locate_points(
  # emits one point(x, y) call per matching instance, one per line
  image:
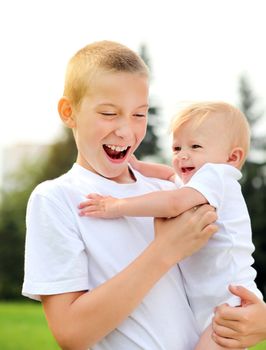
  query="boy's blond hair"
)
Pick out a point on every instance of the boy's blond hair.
point(102, 56)
point(237, 127)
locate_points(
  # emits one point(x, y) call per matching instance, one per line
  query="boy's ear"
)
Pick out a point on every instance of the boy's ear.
point(236, 157)
point(65, 111)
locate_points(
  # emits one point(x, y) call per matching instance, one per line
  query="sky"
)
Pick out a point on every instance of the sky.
point(198, 50)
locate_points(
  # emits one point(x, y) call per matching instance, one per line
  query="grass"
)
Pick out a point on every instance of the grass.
point(261, 346)
point(23, 327)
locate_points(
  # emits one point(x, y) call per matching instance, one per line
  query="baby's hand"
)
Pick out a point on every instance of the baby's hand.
point(134, 162)
point(100, 206)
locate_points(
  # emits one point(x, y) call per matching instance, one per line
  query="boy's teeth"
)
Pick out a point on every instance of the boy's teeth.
point(116, 148)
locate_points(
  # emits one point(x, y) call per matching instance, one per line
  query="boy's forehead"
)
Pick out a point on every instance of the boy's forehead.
point(105, 79)
point(114, 89)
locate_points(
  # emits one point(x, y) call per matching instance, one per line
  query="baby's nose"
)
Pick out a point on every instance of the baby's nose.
point(183, 155)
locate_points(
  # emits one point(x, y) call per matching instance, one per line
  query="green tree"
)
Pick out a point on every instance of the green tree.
point(57, 159)
point(254, 181)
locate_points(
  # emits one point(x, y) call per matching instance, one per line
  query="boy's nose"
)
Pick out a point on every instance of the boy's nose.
point(124, 131)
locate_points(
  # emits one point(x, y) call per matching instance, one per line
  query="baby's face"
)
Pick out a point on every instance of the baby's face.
point(195, 146)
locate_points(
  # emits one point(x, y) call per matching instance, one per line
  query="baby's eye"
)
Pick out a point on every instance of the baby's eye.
point(176, 148)
point(196, 146)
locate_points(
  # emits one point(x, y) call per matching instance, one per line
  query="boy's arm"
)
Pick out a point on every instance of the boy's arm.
point(78, 320)
point(160, 171)
point(155, 204)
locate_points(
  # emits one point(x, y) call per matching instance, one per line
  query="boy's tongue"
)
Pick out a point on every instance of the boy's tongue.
point(114, 154)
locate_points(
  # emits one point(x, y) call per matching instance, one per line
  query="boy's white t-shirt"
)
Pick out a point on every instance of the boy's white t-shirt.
point(67, 253)
point(227, 257)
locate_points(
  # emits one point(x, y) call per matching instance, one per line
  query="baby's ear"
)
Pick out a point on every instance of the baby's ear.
point(65, 111)
point(236, 157)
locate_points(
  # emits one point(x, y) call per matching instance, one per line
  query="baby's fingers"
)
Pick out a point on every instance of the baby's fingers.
point(93, 199)
point(92, 211)
point(94, 196)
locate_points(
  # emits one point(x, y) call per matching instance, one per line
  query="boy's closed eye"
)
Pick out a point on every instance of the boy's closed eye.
point(143, 115)
point(107, 113)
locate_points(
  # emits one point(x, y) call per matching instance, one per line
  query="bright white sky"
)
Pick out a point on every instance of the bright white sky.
point(198, 50)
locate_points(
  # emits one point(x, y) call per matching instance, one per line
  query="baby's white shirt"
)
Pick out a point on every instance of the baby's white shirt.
point(227, 257)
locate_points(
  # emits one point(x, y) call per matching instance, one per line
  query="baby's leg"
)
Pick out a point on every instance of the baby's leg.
point(206, 342)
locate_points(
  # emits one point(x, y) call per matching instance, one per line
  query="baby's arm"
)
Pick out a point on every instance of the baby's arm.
point(154, 204)
point(160, 171)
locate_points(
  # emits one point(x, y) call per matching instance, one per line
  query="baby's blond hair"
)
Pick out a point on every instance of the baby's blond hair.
point(237, 127)
point(107, 56)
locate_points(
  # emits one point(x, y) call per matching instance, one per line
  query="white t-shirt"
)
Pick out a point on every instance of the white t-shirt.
point(66, 253)
point(227, 257)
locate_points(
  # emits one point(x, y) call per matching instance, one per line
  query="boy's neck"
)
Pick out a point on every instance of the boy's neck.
point(126, 178)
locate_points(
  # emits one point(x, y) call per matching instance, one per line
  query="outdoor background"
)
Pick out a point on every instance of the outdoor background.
point(208, 49)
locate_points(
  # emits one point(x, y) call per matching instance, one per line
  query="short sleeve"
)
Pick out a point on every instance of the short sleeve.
point(55, 255)
point(210, 180)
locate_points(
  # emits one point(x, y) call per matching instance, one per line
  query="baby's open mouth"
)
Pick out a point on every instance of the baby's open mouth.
point(187, 169)
point(116, 152)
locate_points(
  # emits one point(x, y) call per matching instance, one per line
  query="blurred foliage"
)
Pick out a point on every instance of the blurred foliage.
point(57, 159)
point(149, 147)
point(254, 181)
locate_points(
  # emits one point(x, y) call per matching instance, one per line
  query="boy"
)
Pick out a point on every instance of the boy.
point(109, 284)
point(210, 144)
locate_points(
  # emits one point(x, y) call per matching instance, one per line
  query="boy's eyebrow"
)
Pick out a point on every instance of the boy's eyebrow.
point(113, 105)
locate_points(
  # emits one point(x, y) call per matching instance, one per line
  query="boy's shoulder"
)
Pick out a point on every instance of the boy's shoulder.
point(51, 189)
point(52, 184)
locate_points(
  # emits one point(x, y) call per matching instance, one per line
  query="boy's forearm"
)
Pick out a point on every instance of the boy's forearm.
point(92, 315)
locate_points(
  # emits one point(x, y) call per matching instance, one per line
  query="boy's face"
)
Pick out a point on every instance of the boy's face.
point(111, 123)
point(193, 147)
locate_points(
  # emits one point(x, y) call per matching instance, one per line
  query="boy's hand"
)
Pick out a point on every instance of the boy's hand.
point(100, 206)
point(242, 326)
point(185, 234)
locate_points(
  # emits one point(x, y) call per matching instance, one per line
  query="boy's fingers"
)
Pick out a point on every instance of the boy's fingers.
point(206, 216)
point(226, 342)
point(246, 296)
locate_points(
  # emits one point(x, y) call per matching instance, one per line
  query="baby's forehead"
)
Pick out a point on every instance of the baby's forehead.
point(199, 123)
point(209, 128)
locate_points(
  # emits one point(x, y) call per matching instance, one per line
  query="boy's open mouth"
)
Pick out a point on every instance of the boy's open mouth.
point(116, 152)
point(186, 170)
